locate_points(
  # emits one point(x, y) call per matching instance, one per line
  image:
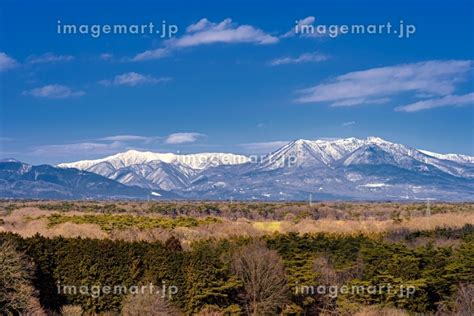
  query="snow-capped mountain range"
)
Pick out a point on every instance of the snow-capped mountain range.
point(349, 168)
point(165, 171)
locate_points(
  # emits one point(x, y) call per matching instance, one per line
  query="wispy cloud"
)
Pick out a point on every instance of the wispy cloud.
point(48, 58)
point(54, 91)
point(205, 32)
point(127, 138)
point(357, 101)
point(378, 85)
point(181, 138)
point(151, 54)
point(6, 62)
point(106, 56)
point(301, 27)
point(109, 145)
point(449, 100)
point(350, 123)
point(263, 147)
point(304, 58)
point(64, 150)
point(133, 79)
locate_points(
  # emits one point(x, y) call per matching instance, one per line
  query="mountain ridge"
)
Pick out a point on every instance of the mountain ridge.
point(370, 168)
point(21, 180)
point(347, 168)
point(127, 158)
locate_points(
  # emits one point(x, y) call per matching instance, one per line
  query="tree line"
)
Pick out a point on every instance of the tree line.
point(238, 276)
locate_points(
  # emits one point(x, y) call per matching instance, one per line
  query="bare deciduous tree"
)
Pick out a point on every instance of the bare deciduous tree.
point(264, 281)
point(71, 310)
point(380, 311)
point(147, 303)
point(17, 294)
point(464, 300)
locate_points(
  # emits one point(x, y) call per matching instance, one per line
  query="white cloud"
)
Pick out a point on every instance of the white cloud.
point(449, 100)
point(112, 144)
point(54, 91)
point(302, 27)
point(345, 124)
point(6, 62)
point(152, 54)
point(181, 138)
point(205, 32)
point(377, 85)
point(48, 58)
point(202, 24)
point(126, 138)
point(263, 147)
point(352, 102)
point(133, 79)
point(304, 58)
point(63, 150)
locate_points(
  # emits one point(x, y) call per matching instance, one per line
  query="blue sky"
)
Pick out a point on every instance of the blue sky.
point(235, 78)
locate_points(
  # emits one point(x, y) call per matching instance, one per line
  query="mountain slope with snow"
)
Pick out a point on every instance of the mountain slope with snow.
point(349, 168)
point(368, 169)
point(452, 157)
point(134, 157)
point(151, 170)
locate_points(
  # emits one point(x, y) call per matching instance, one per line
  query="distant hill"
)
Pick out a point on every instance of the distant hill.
point(20, 180)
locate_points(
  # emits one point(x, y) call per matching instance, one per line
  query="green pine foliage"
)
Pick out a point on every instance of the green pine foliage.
point(204, 280)
point(109, 222)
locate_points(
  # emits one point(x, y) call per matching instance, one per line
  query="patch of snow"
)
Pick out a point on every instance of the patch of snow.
point(452, 157)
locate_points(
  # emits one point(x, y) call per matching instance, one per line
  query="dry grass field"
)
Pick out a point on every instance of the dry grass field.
point(189, 222)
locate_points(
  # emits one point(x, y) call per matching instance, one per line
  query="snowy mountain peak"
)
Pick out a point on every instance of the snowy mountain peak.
point(152, 170)
point(300, 142)
point(120, 160)
point(9, 160)
point(376, 140)
point(135, 157)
